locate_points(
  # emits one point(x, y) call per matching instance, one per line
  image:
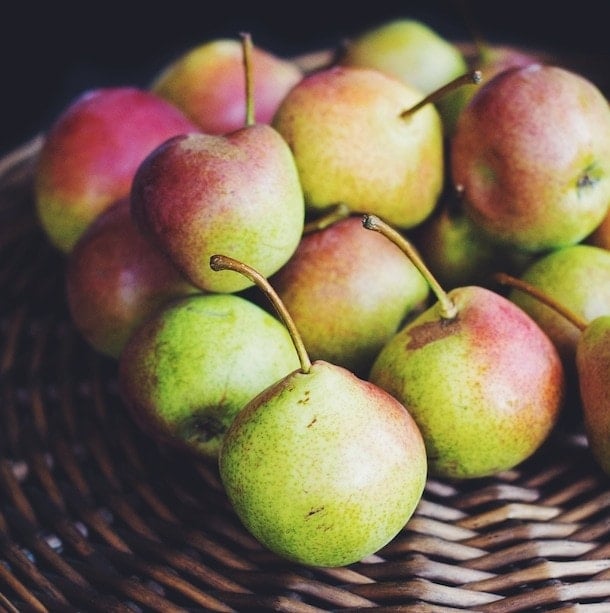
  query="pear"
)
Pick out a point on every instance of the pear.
point(413, 52)
point(531, 157)
point(237, 193)
point(348, 291)
point(352, 145)
point(593, 366)
point(115, 279)
point(481, 379)
point(600, 237)
point(190, 367)
point(206, 82)
point(322, 467)
point(91, 152)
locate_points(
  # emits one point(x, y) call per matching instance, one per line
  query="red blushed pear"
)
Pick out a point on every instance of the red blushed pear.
point(91, 153)
point(348, 291)
point(481, 379)
point(322, 467)
point(593, 363)
point(531, 157)
point(207, 83)
point(115, 279)
point(238, 193)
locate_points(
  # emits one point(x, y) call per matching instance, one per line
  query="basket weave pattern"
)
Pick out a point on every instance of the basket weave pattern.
point(94, 517)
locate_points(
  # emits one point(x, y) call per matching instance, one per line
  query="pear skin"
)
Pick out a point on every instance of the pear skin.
point(593, 362)
point(189, 368)
point(579, 277)
point(91, 153)
point(323, 468)
point(415, 53)
point(116, 278)
point(531, 157)
point(348, 292)
point(239, 194)
point(207, 83)
point(352, 146)
point(486, 387)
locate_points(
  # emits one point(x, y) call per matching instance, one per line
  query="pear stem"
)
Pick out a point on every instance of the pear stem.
point(473, 77)
point(339, 212)
point(224, 262)
point(506, 279)
point(448, 310)
point(246, 40)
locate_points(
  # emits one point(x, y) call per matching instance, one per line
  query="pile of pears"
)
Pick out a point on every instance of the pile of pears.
point(294, 269)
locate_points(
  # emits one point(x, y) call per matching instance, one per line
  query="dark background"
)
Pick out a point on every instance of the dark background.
point(51, 51)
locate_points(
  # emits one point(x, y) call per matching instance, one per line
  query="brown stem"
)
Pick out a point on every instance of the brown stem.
point(506, 279)
point(473, 77)
point(246, 40)
point(224, 262)
point(448, 310)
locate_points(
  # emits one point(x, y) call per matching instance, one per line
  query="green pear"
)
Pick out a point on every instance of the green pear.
point(481, 379)
point(348, 291)
point(355, 142)
point(237, 193)
point(531, 157)
point(322, 467)
point(579, 276)
point(415, 53)
point(193, 365)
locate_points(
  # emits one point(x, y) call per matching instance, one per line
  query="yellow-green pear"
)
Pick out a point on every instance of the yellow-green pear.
point(193, 365)
point(579, 276)
point(415, 53)
point(322, 467)
point(348, 291)
point(355, 142)
point(481, 379)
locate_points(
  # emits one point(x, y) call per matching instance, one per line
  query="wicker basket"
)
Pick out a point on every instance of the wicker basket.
point(94, 517)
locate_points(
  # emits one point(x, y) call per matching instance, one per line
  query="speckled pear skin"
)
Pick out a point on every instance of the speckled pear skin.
point(531, 157)
point(413, 52)
point(593, 364)
point(351, 144)
point(91, 153)
point(187, 371)
point(207, 83)
point(485, 388)
point(323, 468)
point(348, 291)
point(578, 277)
point(239, 194)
